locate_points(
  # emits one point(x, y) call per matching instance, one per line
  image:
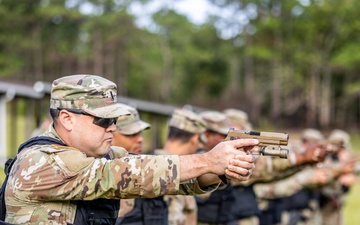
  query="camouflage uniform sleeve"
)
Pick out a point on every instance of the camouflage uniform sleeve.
point(45, 173)
point(271, 168)
point(285, 187)
point(192, 188)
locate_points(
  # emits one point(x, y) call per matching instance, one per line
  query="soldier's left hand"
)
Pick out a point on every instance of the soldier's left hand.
point(240, 168)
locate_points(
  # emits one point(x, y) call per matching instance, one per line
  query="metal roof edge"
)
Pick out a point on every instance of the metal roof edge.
point(11, 90)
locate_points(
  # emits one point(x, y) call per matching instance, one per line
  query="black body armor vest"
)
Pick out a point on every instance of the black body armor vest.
point(147, 211)
point(218, 207)
point(246, 204)
point(94, 212)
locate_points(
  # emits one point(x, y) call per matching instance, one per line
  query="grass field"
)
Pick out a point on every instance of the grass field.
point(352, 206)
point(352, 200)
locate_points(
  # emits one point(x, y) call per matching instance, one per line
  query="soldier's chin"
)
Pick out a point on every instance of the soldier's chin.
point(138, 150)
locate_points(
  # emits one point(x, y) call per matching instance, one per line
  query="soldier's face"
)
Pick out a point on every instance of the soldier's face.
point(92, 139)
point(214, 139)
point(132, 143)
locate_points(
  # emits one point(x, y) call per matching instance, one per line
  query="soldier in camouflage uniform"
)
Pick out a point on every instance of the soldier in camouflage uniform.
point(239, 119)
point(56, 177)
point(332, 195)
point(216, 208)
point(334, 168)
point(129, 129)
point(269, 169)
point(294, 195)
point(185, 128)
point(139, 211)
point(246, 209)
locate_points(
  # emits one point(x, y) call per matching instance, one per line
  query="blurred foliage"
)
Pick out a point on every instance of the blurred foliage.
point(281, 61)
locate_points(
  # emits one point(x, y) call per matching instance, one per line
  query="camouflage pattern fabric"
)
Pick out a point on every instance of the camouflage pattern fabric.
point(45, 179)
point(252, 220)
point(130, 124)
point(182, 209)
point(269, 169)
point(187, 120)
point(216, 121)
point(285, 187)
point(126, 205)
point(229, 223)
point(333, 194)
point(90, 93)
point(340, 137)
point(311, 134)
point(238, 118)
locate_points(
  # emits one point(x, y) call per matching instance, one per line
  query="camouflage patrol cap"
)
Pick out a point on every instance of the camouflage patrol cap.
point(187, 120)
point(239, 118)
point(311, 134)
point(216, 121)
point(340, 137)
point(93, 94)
point(130, 124)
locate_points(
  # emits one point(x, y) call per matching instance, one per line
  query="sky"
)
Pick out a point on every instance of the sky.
point(197, 11)
point(233, 21)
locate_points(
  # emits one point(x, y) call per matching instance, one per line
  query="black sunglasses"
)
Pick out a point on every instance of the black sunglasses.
point(102, 122)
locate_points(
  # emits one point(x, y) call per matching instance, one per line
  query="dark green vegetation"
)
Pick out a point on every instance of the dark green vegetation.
point(295, 63)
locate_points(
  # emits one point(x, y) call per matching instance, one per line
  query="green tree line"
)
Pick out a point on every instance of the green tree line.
point(293, 63)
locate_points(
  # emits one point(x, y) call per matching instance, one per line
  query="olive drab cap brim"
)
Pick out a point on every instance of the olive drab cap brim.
point(93, 94)
point(216, 121)
point(187, 120)
point(130, 124)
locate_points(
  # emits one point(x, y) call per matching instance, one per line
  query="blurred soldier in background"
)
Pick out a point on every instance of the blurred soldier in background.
point(129, 129)
point(298, 195)
point(238, 118)
point(216, 207)
point(139, 211)
point(245, 208)
point(332, 195)
point(185, 128)
point(302, 206)
point(291, 176)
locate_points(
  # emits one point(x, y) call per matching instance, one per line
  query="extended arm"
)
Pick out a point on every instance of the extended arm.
point(224, 158)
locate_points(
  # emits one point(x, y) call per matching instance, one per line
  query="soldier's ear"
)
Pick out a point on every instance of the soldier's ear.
point(195, 139)
point(66, 119)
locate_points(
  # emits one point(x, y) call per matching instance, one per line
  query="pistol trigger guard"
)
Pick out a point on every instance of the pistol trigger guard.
point(224, 179)
point(262, 149)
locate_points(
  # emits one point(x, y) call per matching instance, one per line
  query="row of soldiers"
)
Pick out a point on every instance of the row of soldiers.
point(73, 173)
point(306, 188)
